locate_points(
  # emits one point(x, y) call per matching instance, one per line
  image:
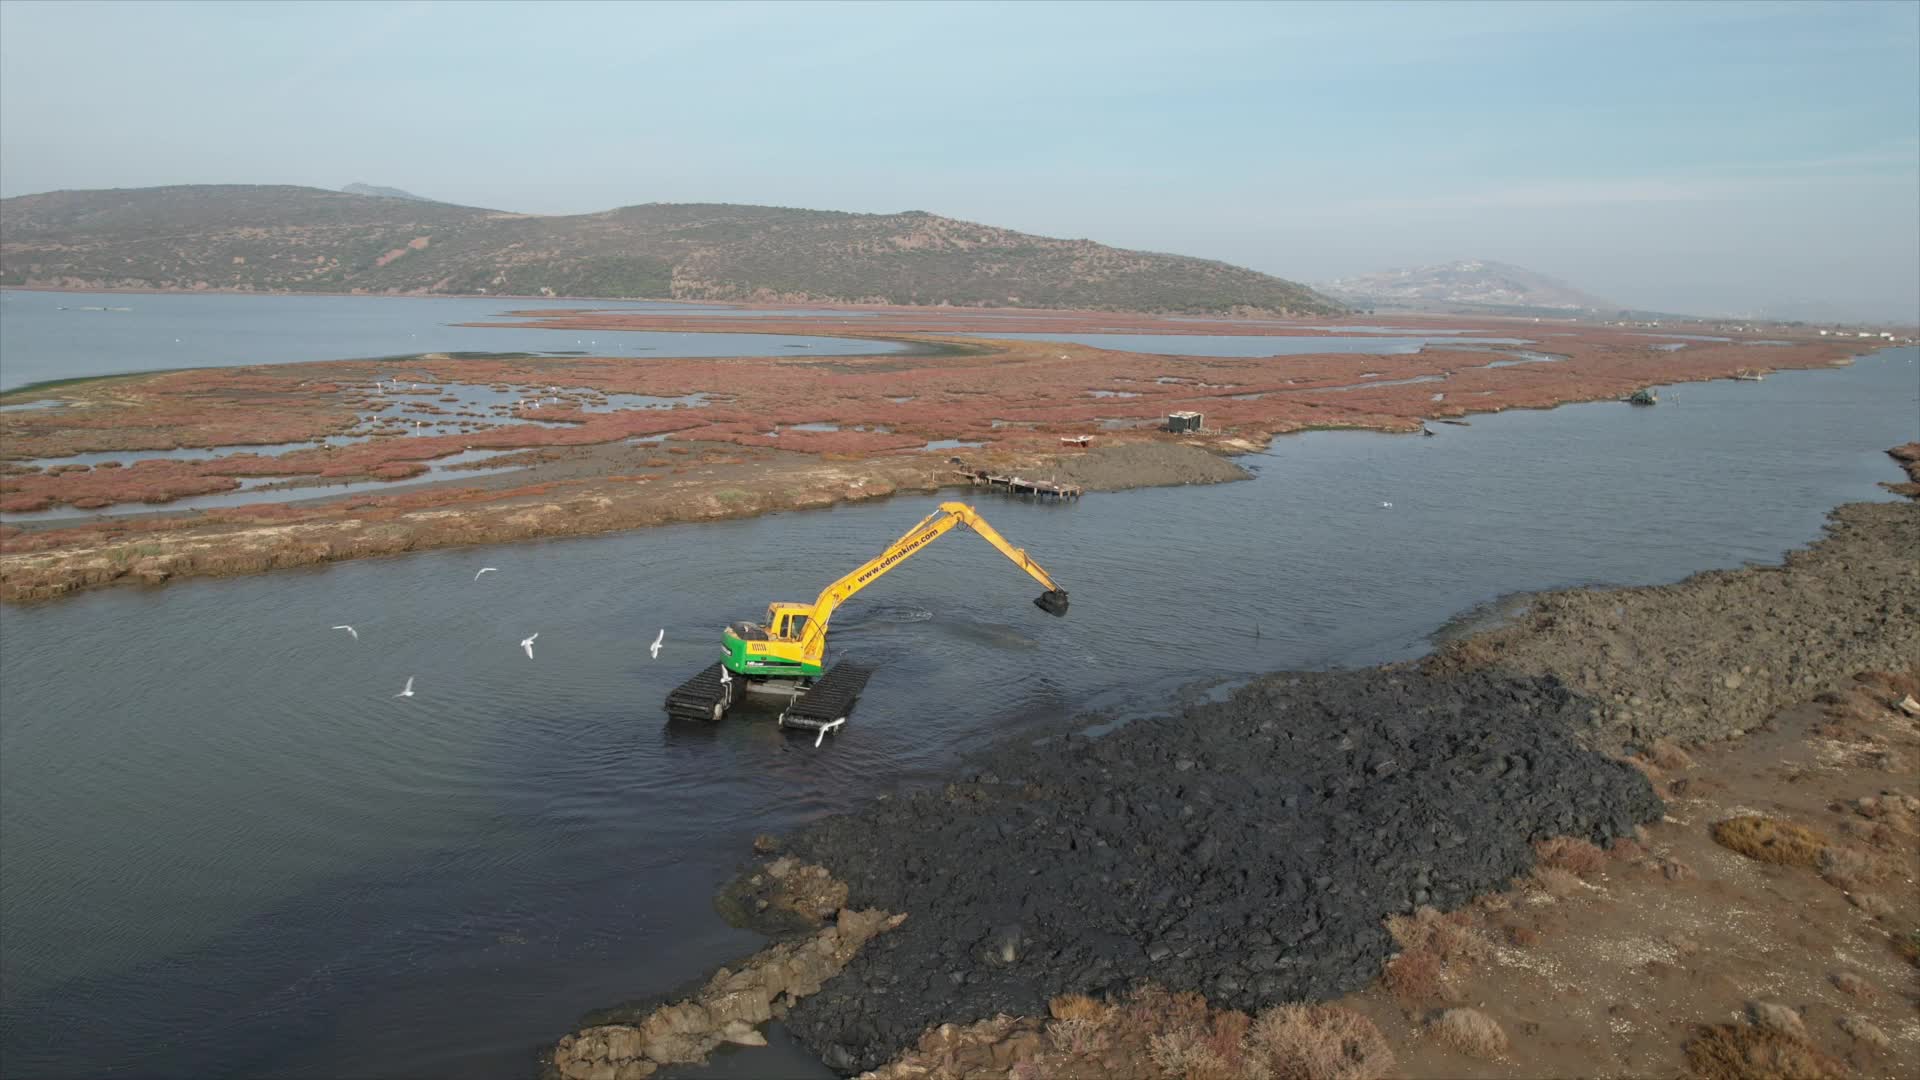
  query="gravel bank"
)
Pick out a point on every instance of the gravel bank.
point(1248, 849)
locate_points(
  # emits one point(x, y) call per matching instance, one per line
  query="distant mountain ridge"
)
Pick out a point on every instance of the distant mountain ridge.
point(1477, 284)
point(299, 239)
point(378, 192)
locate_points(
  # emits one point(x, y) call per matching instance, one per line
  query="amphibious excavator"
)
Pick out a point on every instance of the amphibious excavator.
point(785, 655)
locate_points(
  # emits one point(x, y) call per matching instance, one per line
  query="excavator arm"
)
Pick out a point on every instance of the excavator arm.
point(931, 528)
point(972, 519)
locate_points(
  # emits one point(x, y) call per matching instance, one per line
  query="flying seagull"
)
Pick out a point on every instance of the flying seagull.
point(658, 638)
point(486, 570)
point(407, 691)
point(348, 629)
point(1386, 506)
point(528, 645)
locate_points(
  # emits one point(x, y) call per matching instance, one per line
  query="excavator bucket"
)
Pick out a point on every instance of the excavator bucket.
point(1053, 602)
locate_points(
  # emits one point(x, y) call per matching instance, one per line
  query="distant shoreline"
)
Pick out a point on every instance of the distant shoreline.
point(377, 295)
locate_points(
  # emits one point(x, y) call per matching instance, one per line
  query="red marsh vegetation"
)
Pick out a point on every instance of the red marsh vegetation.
point(1011, 394)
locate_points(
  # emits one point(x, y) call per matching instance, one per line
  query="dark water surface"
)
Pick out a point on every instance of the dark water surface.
point(229, 850)
point(40, 341)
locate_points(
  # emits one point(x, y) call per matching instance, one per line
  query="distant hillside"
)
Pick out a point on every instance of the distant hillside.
point(309, 240)
point(1473, 284)
point(383, 192)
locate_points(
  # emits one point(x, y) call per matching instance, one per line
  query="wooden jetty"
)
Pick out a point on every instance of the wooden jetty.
point(1017, 485)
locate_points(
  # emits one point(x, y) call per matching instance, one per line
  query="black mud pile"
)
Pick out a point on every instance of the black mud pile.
point(1248, 849)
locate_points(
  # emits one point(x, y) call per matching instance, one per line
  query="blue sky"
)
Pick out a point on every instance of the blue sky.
point(1702, 157)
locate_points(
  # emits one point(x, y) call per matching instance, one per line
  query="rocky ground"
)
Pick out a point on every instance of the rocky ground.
point(1715, 654)
point(1908, 455)
point(1678, 954)
point(628, 1043)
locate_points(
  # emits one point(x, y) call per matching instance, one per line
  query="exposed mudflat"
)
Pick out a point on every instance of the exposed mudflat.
point(1247, 849)
point(1144, 464)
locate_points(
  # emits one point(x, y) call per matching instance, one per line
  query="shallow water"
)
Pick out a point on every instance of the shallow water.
point(204, 453)
point(1381, 382)
point(1517, 357)
point(229, 850)
point(39, 341)
point(1254, 346)
point(251, 490)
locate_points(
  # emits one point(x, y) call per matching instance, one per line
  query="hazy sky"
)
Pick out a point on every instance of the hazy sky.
point(1708, 157)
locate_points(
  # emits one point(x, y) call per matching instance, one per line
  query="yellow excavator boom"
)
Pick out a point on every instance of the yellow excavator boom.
point(813, 641)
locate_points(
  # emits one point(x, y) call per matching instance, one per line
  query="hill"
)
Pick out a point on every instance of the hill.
point(1470, 285)
point(298, 239)
point(378, 192)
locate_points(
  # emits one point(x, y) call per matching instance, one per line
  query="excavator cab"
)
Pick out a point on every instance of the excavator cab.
point(787, 622)
point(773, 647)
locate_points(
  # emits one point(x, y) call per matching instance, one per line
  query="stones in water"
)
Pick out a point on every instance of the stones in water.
point(728, 1009)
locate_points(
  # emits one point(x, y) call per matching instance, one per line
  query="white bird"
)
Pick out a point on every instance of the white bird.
point(407, 691)
point(658, 638)
point(1386, 506)
point(348, 629)
point(486, 570)
point(528, 645)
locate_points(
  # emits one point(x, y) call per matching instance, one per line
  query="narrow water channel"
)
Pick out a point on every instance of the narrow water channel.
point(230, 850)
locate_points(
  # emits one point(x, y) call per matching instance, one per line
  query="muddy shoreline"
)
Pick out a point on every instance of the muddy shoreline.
point(1252, 849)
